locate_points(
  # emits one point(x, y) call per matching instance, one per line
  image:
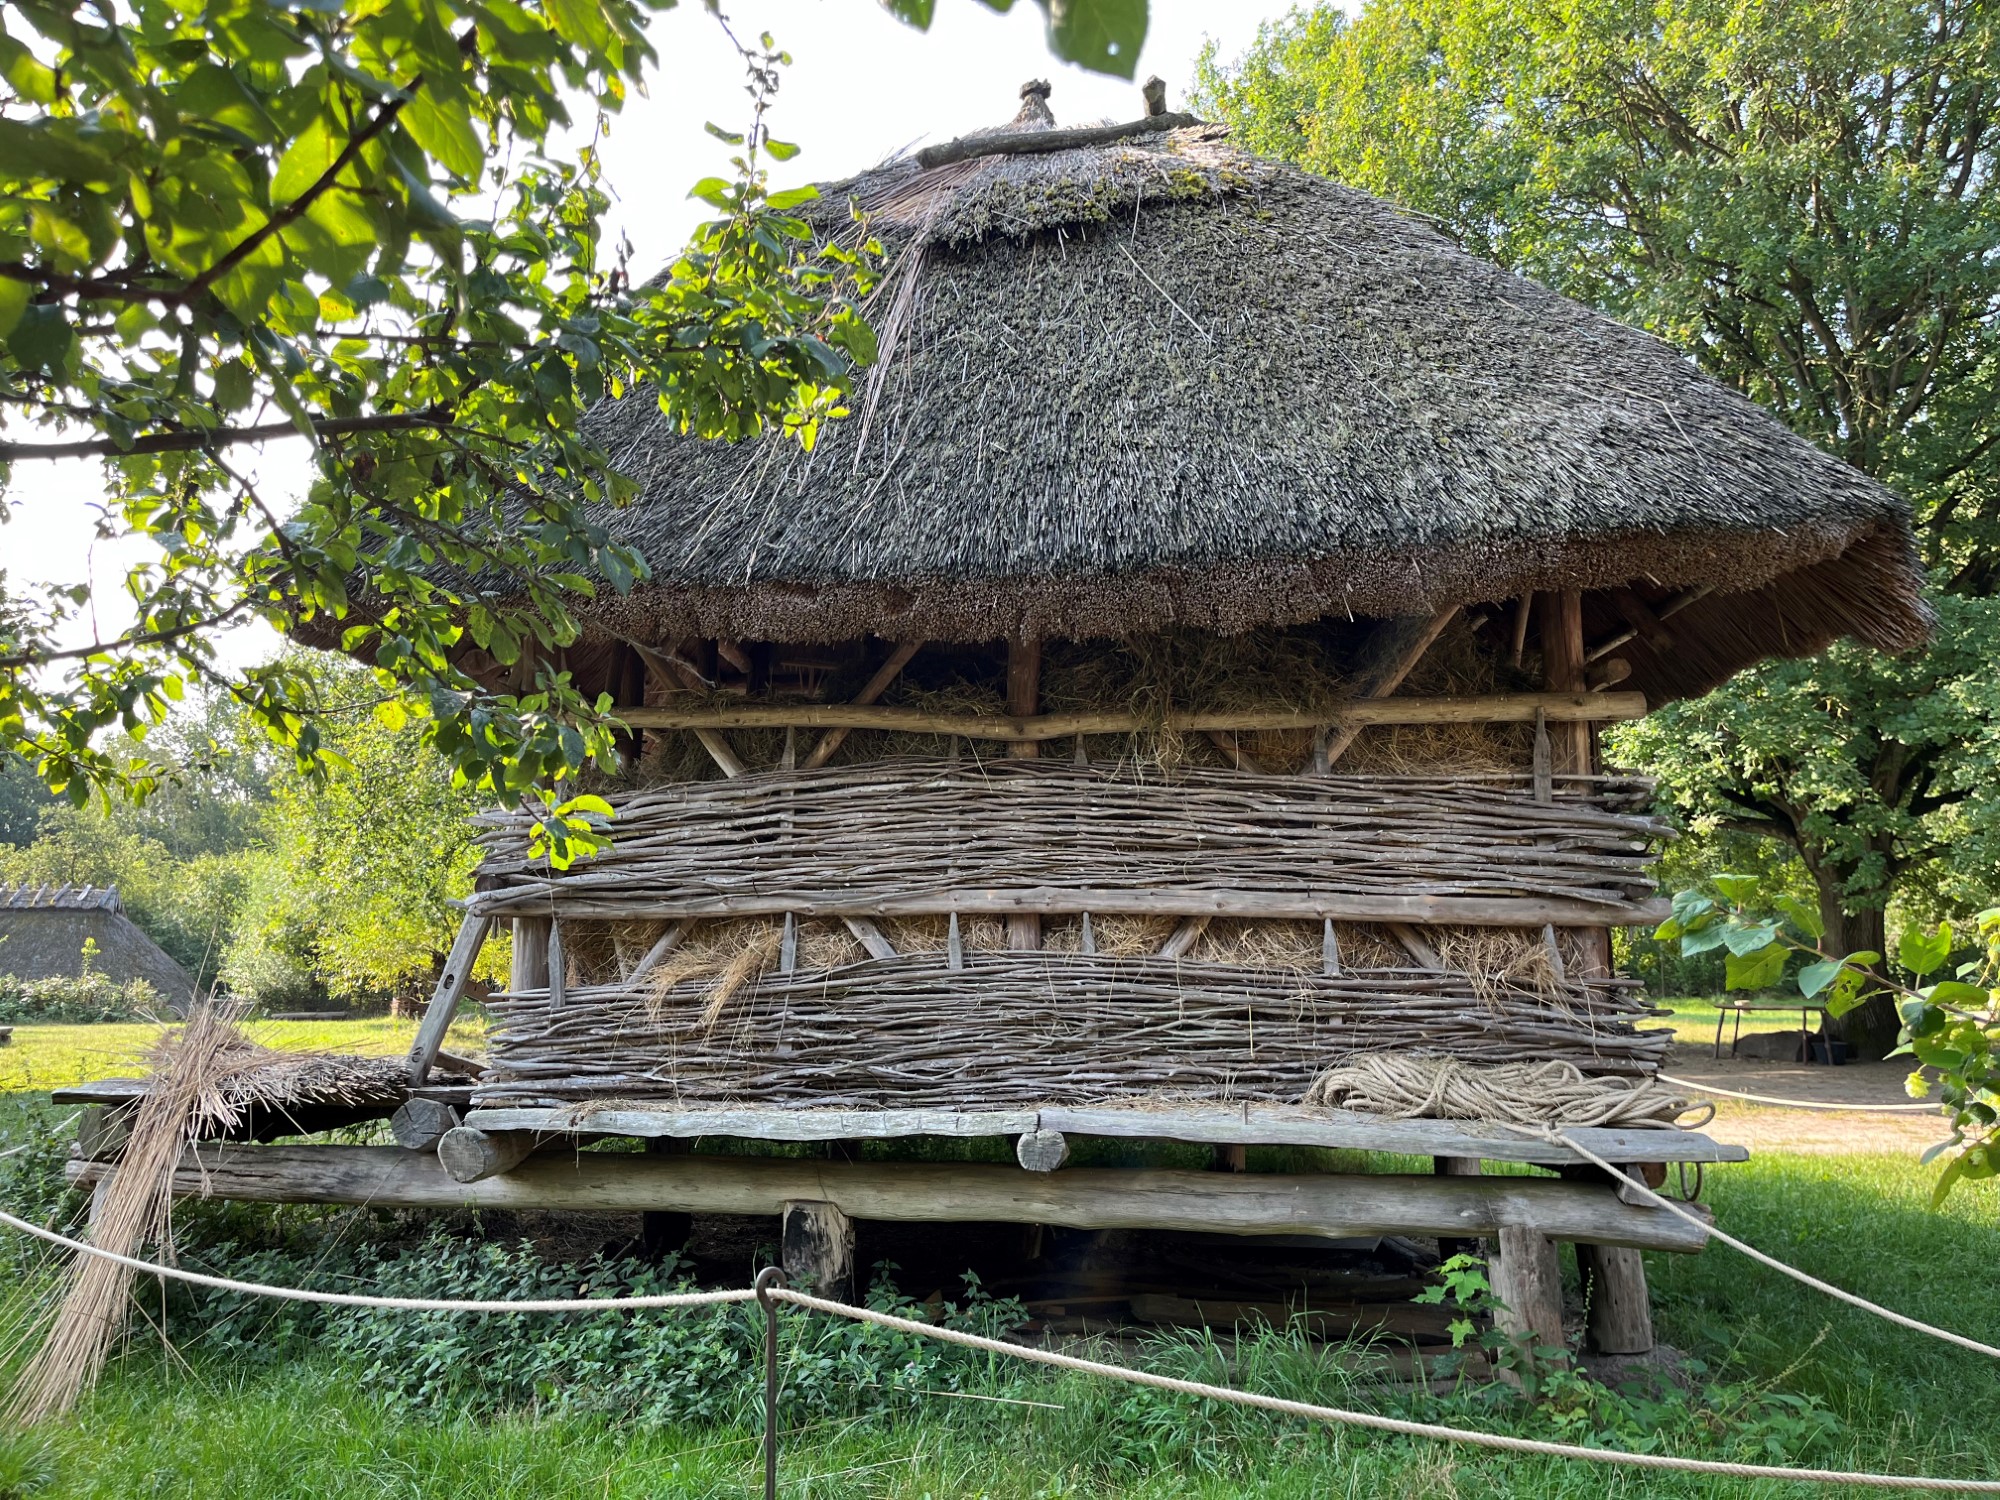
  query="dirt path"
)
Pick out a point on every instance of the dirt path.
point(1767, 1128)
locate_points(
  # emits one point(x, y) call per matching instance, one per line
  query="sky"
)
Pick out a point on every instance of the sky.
point(861, 86)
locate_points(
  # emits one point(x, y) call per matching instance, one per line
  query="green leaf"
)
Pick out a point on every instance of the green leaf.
point(13, 302)
point(444, 128)
point(306, 160)
point(780, 150)
point(1815, 977)
point(1756, 971)
point(1959, 995)
point(1749, 937)
point(1804, 917)
point(1704, 939)
point(1103, 35)
point(1922, 952)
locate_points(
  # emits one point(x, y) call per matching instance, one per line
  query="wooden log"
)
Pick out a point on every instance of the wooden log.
point(817, 1242)
point(530, 966)
point(419, 1123)
point(1417, 946)
point(1325, 1205)
point(667, 941)
point(1024, 701)
point(1180, 942)
point(445, 998)
point(1578, 706)
point(469, 1154)
point(1041, 1150)
point(1574, 744)
point(1526, 1278)
point(678, 674)
point(1231, 746)
point(1023, 142)
point(1253, 1125)
point(1392, 650)
point(1618, 1318)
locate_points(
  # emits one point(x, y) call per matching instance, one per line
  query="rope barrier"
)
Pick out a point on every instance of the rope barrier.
point(1865, 1109)
point(770, 1288)
point(1625, 1180)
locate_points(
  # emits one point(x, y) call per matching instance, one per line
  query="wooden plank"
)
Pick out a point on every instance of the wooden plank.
point(1393, 648)
point(1341, 906)
point(1483, 708)
point(1325, 1205)
point(1253, 1125)
point(450, 990)
point(530, 967)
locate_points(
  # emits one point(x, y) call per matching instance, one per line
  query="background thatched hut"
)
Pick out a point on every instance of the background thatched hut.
point(44, 929)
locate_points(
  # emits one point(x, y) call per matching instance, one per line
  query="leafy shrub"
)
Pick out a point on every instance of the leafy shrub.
point(76, 999)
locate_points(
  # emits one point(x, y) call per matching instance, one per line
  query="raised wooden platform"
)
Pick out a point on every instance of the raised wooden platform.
point(1245, 1125)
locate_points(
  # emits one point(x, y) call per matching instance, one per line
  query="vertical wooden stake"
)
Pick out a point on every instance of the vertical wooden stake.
point(1088, 942)
point(1329, 951)
point(1619, 1319)
point(1527, 1280)
point(558, 963)
point(1024, 698)
point(531, 955)
point(1563, 671)
point(954, 945)
point(788, 945)
point(1458, 1166)
point(818, 1242)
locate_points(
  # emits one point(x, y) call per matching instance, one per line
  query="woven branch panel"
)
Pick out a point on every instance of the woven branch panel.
point(910, 835)
point(1029, 1028)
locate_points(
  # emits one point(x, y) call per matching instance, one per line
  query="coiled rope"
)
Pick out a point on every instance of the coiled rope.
point(1496, 1441)
point(1400, 1086)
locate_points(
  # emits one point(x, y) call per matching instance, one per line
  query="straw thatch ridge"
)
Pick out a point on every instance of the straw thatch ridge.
point(1166, 382)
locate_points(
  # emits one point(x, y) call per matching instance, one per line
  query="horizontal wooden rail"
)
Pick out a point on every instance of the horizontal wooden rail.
point(1234, 1125)
point(1326, 1205)
point(1491, 708)
point(580, 900)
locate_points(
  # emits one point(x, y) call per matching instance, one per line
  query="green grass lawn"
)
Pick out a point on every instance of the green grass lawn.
point(239, 1408)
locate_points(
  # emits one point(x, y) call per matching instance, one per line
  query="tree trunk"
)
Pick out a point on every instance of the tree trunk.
point(1871, 1029)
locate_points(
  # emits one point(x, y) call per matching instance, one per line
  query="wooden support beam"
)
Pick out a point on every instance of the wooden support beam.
point(530, 968)
point(664, 1232)
point(1418, 947)
point(1393, 650)
point(1574, 744)
point(1476, 708)
point(1328, 1205)
point(874, 688)
point(469, 1154)
point(1251, 1124)
point(1231, 746)
point(1458, 1166)
point(1271, 906)
point(1526, 1277)
point(817, 1242)
point(419, 1123)
point(103, 1130)
point(669, 940)
point(678, 674)
point(1618, 1318)
point(445, 998)
point(1024, 701)
point(1022, 142)
point(1041, 1150)
point(1183, 938)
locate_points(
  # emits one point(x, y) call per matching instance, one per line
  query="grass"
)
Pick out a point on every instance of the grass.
point(211, 1422)
point(41, 1058)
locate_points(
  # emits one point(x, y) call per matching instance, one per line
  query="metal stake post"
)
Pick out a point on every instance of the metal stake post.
point(768, 1278)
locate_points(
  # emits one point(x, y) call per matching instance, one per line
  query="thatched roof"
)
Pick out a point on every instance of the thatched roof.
point(42, 933)
point(1163, 381)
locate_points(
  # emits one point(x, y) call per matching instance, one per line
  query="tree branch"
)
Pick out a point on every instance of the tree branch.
point(436, 418)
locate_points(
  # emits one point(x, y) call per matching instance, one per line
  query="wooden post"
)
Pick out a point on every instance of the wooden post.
point(1527, 1280)
point(664, 1232)
point(103, 1130)
point(1229, 1158)
point(444, 999)
point(1573, 744)
point(471, 1155)
point(818, 1249)
point(530, 970)
point(419, 1124)
point(1458, 1166)
point(1391, 653)
point(1024, 700)
point(1618, 1318)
